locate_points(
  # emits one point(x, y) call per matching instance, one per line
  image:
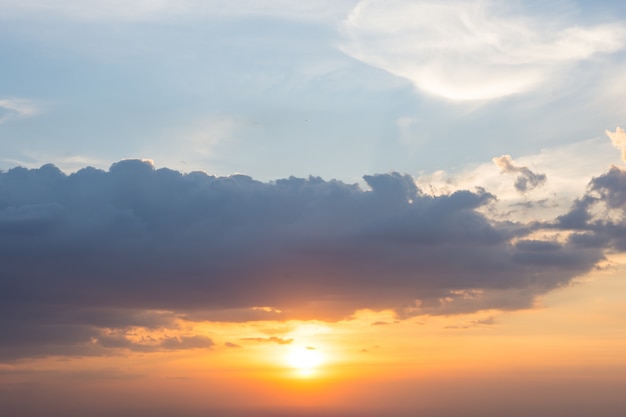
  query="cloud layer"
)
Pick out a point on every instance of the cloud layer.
point(139, 246)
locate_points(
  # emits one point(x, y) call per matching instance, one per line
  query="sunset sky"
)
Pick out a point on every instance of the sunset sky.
point(312, 208)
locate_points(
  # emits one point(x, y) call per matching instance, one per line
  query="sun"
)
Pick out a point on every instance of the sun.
point(305, 359)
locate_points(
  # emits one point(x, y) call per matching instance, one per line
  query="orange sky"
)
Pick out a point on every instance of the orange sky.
point(569, 349)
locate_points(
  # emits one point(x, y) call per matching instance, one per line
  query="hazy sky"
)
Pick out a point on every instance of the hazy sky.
point(266, 206)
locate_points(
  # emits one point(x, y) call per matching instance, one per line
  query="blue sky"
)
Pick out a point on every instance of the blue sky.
point(337, 89)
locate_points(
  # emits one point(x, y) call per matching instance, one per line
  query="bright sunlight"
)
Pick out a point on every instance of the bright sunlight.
point(305, 360)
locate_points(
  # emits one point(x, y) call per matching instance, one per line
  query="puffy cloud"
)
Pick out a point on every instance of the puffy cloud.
point(599, 217)
point(136, 246)
point(526, 180)
point(469, 50)
point(618, 138)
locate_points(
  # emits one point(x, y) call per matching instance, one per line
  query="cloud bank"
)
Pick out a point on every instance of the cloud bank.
point(470, 50)
point(139, 246)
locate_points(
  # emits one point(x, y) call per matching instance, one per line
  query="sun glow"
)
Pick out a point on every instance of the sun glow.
point(305, 360)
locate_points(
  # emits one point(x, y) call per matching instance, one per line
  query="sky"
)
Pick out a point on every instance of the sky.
point(279, 208)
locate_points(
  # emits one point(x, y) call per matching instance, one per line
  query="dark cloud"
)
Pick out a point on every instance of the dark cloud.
point(139, 246)
point(526, 180)
point(39, 329)
point(231, 345)
point(599, 217)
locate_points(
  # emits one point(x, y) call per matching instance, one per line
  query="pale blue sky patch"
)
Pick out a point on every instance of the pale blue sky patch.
point(336, 89)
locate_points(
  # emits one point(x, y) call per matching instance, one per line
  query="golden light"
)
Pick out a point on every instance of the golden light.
point(305, 360)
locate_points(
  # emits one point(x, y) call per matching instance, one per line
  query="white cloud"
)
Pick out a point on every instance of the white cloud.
point(568, 169)
point(468, 50)
point(15, 108)
point(618, 138)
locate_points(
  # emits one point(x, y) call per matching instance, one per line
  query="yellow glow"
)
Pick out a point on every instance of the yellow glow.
point(305, 360)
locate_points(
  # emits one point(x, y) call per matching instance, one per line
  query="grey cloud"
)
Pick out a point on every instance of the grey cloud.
point(115, 341)
point(39, 329)
point(526, 180)
point(121, 341)
point(485, 322)
point(24, 338)
point(611, 188)
point(599, 217)
point(95, 249)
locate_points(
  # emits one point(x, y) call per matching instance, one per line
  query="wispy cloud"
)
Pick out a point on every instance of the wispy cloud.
point(17, 108)
point(273, 339)
point(489, 321)
point(470, 50)
point(199, 142)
